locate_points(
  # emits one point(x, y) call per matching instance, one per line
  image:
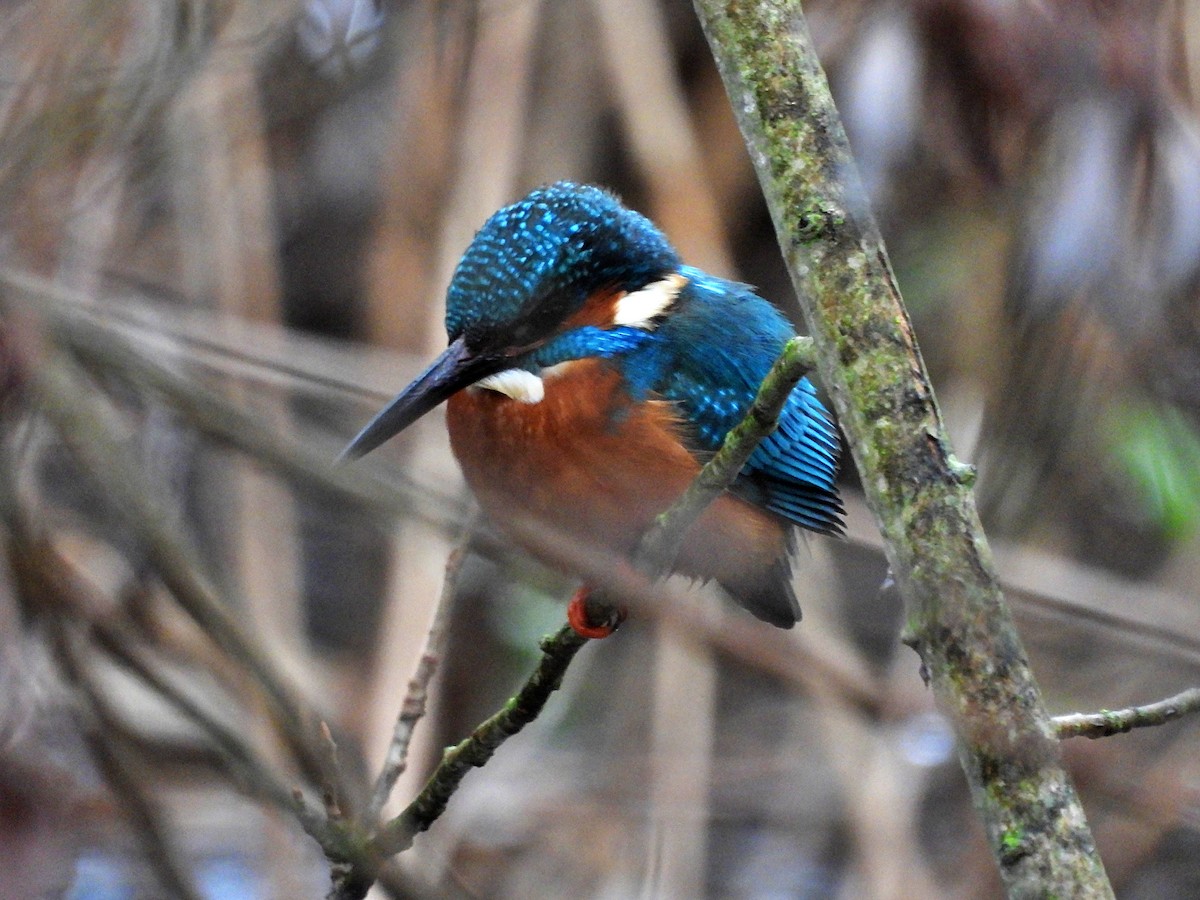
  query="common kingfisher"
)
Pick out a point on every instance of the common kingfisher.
point(590, 374)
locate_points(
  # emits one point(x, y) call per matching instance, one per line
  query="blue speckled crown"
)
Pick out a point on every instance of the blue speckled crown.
point(535, 262)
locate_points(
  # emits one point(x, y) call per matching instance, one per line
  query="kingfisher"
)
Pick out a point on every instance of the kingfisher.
point(588, 377)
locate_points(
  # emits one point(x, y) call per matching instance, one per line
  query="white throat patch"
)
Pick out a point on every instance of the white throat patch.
point(639, 308)
point(522, 386)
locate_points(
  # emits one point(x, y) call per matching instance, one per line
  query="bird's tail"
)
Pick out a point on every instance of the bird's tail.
point(767, 593)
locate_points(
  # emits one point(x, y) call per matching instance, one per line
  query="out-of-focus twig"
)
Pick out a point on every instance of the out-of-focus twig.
point(121, 773)
point(413, 707)
point(659, 130)
point(330, 790)
point(247, 771)
point(212, 413)
point(1108, 722)
point(90, 430)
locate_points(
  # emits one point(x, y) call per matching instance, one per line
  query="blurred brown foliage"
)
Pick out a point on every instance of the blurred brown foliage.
point(226, 229)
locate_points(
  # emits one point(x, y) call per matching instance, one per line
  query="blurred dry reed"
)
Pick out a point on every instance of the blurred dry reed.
point(226, 227)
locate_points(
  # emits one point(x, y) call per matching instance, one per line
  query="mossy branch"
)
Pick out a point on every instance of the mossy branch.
point(397, 834)
point(920, 495)
point(1108, 722)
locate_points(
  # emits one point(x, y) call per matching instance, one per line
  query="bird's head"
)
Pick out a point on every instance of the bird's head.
point(531, 269)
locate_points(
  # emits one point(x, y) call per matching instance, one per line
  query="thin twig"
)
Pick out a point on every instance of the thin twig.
point(1108, 722)
point(557, 652)
point(121, 773)
point(330, 793)
point(661, 543)
point(413, 707)
point(91, 431)
point(351, 877)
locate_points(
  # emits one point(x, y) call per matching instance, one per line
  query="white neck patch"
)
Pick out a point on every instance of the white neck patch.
point(519, 384)
point(640, 308)
point(637, 310)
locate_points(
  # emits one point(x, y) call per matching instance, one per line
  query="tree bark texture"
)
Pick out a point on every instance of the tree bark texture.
point(920, 495)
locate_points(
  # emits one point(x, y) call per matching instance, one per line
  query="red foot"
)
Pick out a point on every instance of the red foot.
point(581, 622)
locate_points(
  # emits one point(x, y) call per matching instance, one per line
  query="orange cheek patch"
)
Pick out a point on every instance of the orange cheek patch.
point(599, 310)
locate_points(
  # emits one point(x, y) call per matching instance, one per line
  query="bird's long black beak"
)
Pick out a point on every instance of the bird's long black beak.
point(456, 368)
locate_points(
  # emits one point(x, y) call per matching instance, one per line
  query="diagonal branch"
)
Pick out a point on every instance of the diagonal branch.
point(396, 835)
point(920, 495)
point(660, 545)
point(123, 771)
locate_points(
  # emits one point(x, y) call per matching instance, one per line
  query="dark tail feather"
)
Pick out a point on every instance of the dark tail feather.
point(769, 596)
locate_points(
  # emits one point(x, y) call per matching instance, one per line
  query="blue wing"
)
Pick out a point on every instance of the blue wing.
point(714, 350)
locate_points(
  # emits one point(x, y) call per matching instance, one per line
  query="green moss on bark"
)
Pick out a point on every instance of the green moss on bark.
point(921, 495)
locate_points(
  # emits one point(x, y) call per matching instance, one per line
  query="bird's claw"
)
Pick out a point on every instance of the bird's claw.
point(583, 613)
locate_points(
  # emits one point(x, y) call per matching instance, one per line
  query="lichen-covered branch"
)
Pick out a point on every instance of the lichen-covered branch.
point(397, 834)
point(920, 495)
point(1108, 722)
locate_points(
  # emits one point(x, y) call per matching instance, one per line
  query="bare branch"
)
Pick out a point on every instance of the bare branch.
point(121, 772)
point(557, 652)
point(413, 708)
point(330, 792)
point(1108, 722)
point(660, 545)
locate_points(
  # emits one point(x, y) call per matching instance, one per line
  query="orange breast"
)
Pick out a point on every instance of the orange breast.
point(589, 463)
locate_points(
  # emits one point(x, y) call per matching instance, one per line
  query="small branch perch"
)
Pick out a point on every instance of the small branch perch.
point(396, 835)
point(660, 545)
point(557, 652)
point(1109, 722)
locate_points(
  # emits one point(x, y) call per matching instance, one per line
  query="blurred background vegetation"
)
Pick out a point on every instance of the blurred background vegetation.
point(226, 231)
